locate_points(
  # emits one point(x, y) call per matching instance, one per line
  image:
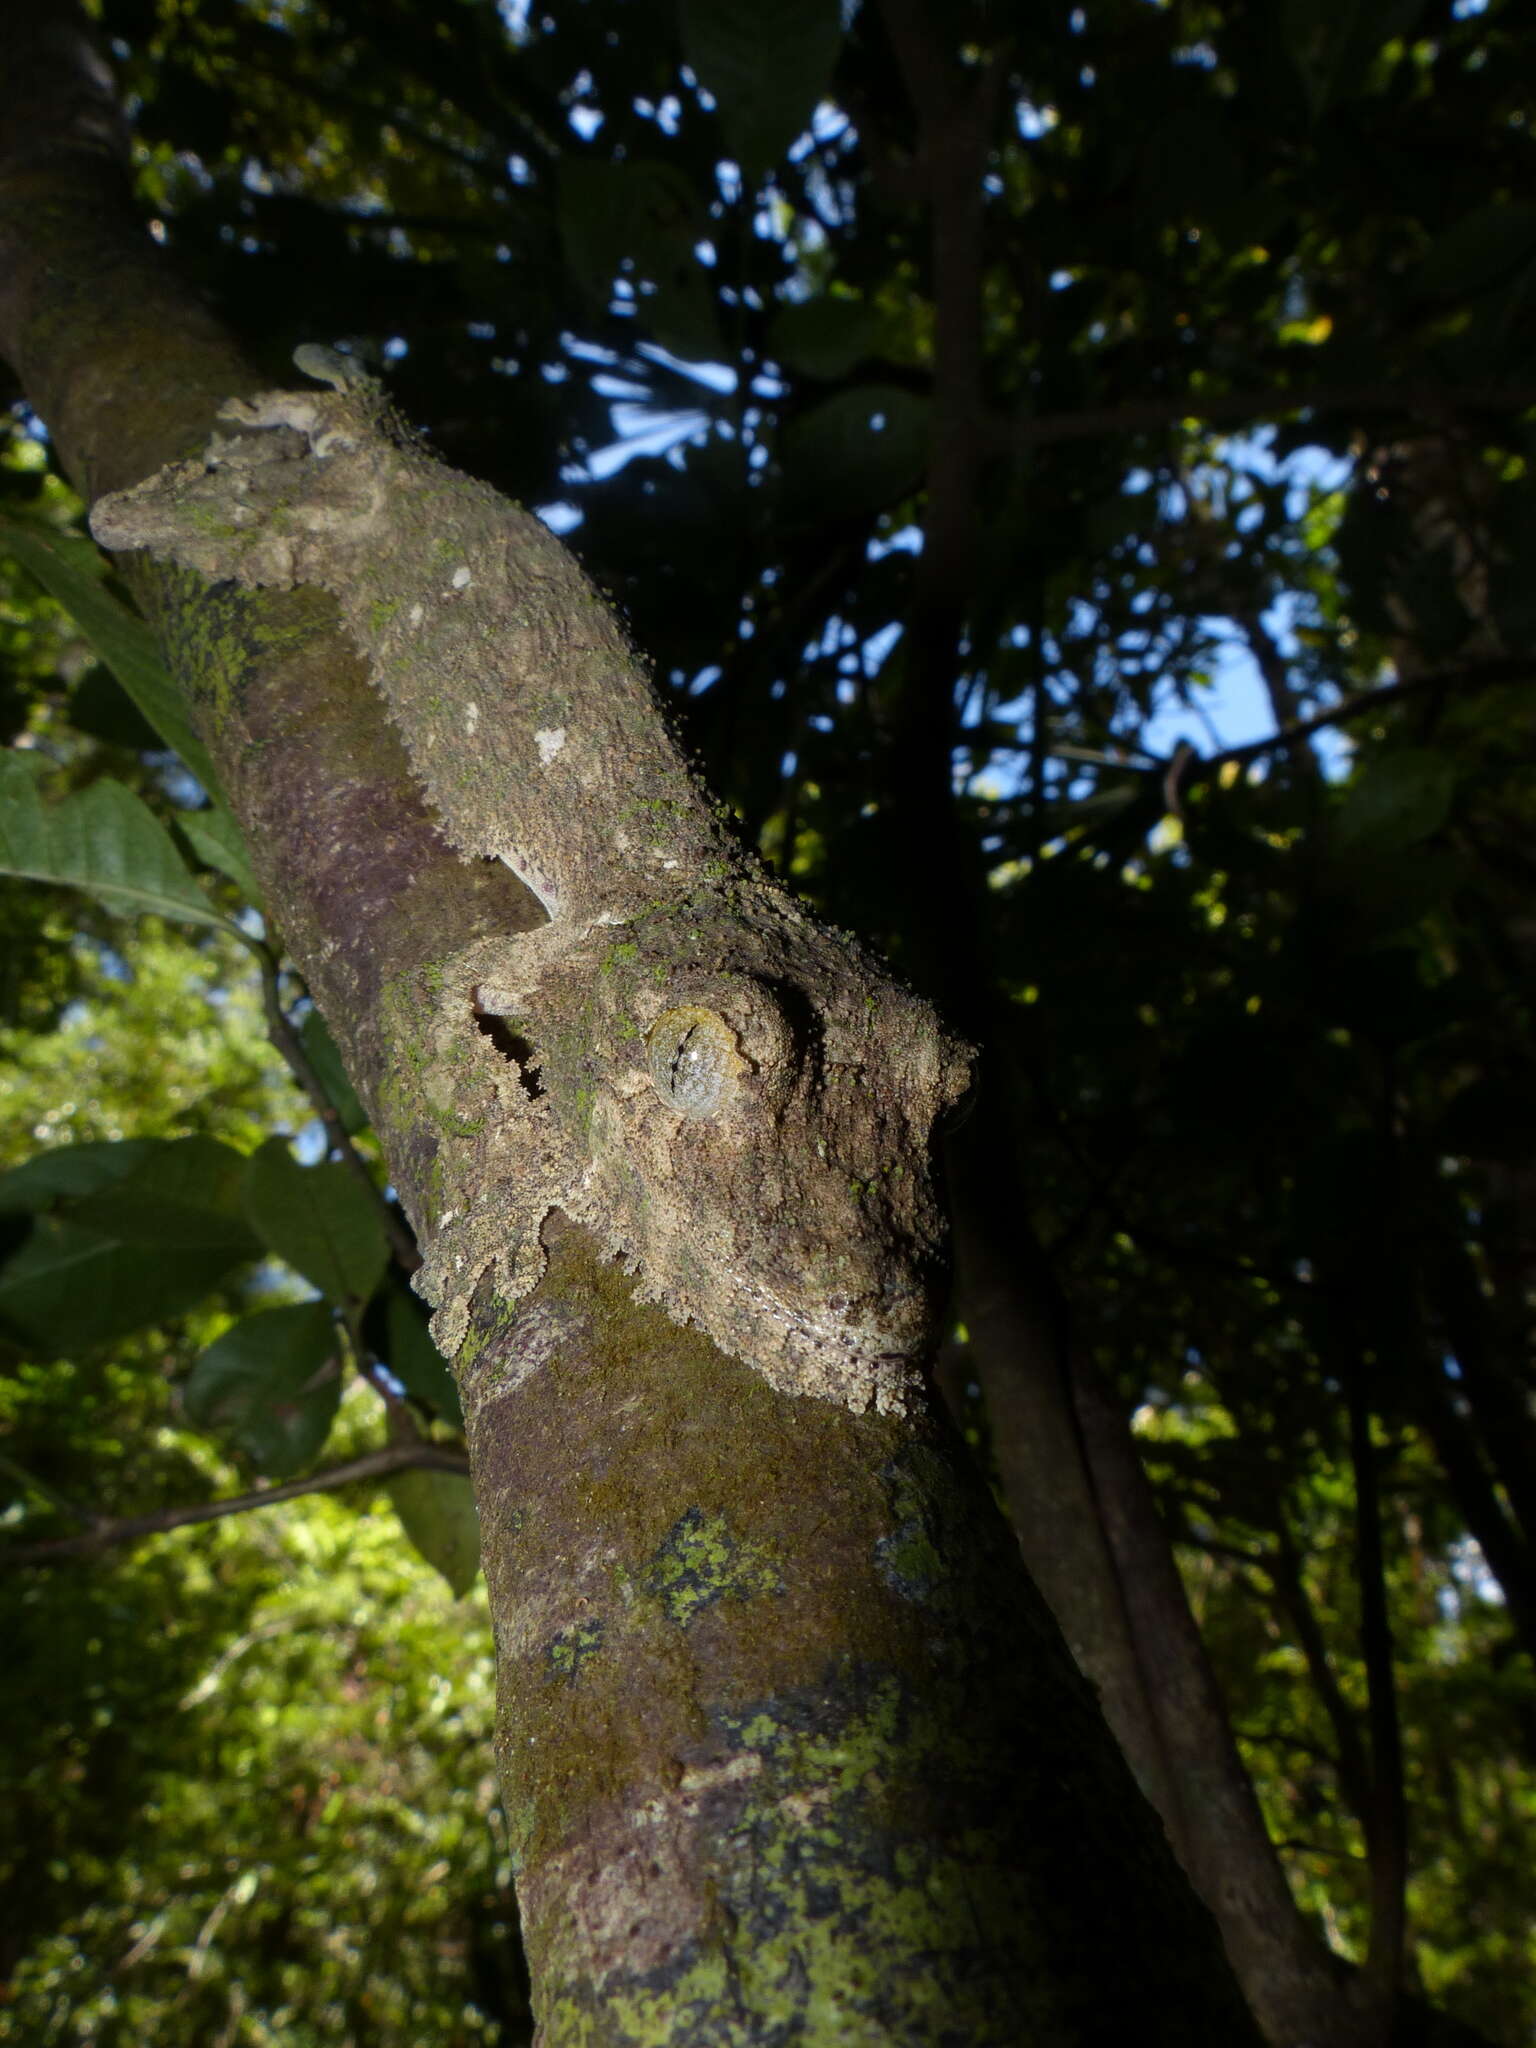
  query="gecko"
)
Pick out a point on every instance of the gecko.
point(737, 1099)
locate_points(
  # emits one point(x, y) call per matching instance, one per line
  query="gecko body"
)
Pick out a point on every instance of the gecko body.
point(736, 1099)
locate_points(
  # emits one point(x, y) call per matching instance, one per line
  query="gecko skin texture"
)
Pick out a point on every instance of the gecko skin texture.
point(736, 1099)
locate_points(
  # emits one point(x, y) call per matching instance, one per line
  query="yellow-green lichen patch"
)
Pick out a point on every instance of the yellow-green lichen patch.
point(570, 1649)
point(843, 1915)
point(700, 1561)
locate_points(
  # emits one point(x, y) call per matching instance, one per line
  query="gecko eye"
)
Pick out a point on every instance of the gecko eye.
point(693, 1058)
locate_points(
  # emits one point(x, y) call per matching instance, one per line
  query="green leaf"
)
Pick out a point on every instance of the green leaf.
point(1481, 248)
point(1333, 42)
point(437, 1513)
point(1396, 801)
point(415, 1360)
point(270, 1386)
point(318, 1219)
point(858, 451)
point(217, 840)
point(184, 1195)
point(69, 1289)
point(100, 706)
point(71, 1170)
point(326, 1061)
point(72, 570)
point(825, 336)
point(104, 841)
point(645, 218)
point(145, 1229)
point(767, 67)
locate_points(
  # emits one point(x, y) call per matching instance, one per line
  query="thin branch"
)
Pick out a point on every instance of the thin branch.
point(109, 1530)
point(1143, 414)
point(30, 1483)
point(1466, 676)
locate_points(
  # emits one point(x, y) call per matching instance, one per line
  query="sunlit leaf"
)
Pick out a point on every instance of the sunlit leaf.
point(72, 570)
point(103, 840)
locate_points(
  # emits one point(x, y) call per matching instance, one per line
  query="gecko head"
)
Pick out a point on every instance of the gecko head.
point(764, 1157)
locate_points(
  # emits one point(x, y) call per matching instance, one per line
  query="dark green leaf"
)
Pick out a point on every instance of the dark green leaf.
point(1480, 249)
point(100, 706)
point(415, 1360)
point(71, 1170)
point(1396, 801)
point(326, 1061)
point(184, 1195)
point(318, 1219)
point(72, 570)
point(217, 840)
point(437, 1513)
point(68, 1288)
point(645, 218)
point(860, 451)
point(270, 1386)
point(767, 67)
point(824, 337)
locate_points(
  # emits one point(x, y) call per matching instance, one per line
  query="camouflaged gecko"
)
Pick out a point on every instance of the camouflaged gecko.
point(733, 1097)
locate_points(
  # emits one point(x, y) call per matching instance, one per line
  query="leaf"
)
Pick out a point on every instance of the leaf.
point(72, 570)
point(415, 1360)
point(270, 1386)
point(1481, 248)
point(318, 1219)
point(185, 1194)
point(767, 68)
point(70, 1170)
point(217, 840)
point(437, 1513)
point(69, 1289)
point(100, 706)
point(859, 451)
point(144, 1230)
point(1333, 42)
point(326, 1061)
point(1396, 802)
point(646, 219)
point(825, 336)
point(104, 841)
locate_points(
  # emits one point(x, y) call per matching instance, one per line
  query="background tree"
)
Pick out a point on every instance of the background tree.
point(1015, 390)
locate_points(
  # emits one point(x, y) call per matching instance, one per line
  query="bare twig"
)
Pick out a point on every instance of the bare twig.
point(1467, 676)
point(1217, 408)
point(109, 1530)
